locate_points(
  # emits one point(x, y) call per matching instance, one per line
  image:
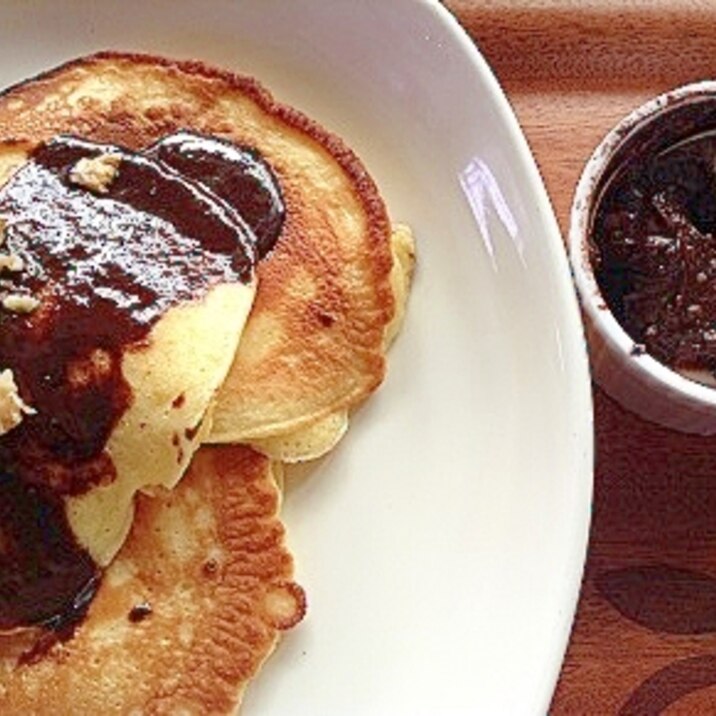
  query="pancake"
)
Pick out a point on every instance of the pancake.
point(402, 243)
point(319, 437)
point(189, 354)
point(185, 616)
point(314, 342)
point(308, 442)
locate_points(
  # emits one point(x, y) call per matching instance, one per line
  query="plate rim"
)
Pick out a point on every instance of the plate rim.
point(562, 275)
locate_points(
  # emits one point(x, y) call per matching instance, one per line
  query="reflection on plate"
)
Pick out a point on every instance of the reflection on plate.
point(443, 543)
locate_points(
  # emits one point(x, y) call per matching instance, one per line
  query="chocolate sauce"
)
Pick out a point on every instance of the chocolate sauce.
point(44, 578)
point(139, 612)
point(654, 251)
point(99, 264)
point(236, 174)
point(105, 267)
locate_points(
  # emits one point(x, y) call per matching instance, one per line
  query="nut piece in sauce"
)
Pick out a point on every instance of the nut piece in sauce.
point(12, 407)
point(11, 262)
point(96, 173)
point(19, 303)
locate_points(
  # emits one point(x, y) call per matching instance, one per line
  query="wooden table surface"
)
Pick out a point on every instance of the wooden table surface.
point(644, 641)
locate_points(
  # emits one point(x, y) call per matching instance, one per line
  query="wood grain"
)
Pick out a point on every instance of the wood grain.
point(571, 70)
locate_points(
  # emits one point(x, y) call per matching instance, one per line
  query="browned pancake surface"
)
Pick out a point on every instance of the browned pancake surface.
point(209, 560)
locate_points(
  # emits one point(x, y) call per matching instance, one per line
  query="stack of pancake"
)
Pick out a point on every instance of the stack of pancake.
point(196, 580)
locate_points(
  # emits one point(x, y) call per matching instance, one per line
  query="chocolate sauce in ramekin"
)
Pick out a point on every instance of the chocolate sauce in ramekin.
point(653, 238)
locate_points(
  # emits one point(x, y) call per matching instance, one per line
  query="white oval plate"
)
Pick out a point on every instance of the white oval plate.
point(442, 544)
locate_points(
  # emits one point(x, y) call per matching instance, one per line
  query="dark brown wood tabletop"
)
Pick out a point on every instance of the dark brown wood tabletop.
point(644, 640)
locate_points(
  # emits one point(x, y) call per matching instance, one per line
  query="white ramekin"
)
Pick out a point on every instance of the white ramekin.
point(639, 382)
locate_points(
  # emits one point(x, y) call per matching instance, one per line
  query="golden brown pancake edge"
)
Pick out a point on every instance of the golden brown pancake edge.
point(188, 612)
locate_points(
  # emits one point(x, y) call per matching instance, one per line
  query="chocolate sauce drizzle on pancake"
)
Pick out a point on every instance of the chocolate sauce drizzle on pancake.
point(44, 577)
point(238, 175)
point(106, 267)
